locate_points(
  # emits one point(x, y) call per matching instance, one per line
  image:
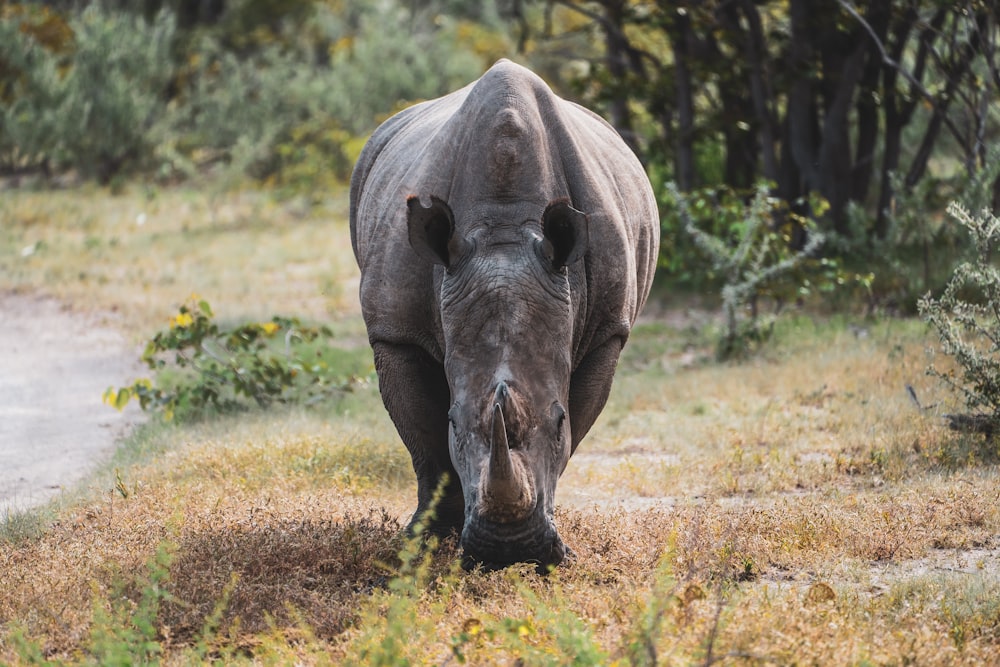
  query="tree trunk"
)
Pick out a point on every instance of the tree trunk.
point(617, 61)
point(866, 107)
point(897, 114)
point(681, 39)
point(755, 52)
point(801, 113)
point(955, 69)
point(835, 162)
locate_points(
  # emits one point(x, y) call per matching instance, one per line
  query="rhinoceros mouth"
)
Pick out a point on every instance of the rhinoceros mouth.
point(494, 546)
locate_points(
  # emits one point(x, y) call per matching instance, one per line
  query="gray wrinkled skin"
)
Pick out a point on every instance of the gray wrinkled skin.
point(507, 240)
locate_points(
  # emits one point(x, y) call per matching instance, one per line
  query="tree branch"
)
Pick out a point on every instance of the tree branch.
point(919, 87)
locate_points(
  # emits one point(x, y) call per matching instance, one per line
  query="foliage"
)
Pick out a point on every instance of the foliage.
point(29, 84)
point(966, 318)
point(215, 367)
point(829, 98)
point(242, 116)
point(114, 91)
point(751, 250)
point(123, 630)
point(920, 247)
point(295, 114)
point(125, 627)
point(287, 99)
point(88, 102)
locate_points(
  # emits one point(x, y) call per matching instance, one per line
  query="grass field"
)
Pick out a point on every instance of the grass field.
point(797, 508)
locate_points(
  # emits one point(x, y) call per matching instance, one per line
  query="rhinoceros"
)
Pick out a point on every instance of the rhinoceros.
point(507, 240)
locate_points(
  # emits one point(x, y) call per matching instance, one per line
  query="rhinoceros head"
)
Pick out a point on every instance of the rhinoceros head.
point(507, 319)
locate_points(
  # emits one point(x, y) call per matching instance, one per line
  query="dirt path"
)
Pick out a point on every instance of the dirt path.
point(54, 366)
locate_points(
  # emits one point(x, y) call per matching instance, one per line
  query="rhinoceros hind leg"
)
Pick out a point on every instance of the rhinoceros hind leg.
point(415, 393)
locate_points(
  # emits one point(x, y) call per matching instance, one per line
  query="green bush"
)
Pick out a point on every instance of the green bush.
point(114, 93)
point(751, 252)
point(289, 103)
point(966, 318)
point(295, 111)
point(201, 366)
point(921, 245)
point(93, 106)
point(232, 113)
point(32, 43)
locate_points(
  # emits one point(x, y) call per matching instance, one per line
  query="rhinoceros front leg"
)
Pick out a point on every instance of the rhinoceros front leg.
point(415, 392)
point(590, 386)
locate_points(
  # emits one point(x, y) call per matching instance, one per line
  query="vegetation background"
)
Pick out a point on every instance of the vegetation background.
point(800, 502)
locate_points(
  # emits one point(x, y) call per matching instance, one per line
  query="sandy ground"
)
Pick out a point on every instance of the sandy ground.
point(54, 366)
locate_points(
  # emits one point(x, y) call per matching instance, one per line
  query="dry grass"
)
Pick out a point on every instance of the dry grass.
point(247, 254)
point(797, 508)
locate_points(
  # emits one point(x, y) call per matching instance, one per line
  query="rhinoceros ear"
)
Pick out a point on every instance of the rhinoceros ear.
point(566, 234)
point(431, 229)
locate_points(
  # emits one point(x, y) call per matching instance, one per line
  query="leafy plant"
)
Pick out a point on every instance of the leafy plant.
point(201, 365)
point(551, 635)
point(752, 252)
point(966, 318)
point(295, 110)
point(115, 91)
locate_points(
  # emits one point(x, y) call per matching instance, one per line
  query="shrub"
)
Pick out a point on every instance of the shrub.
point(222, 368)
point(32, 41)
point(394, 622)
point(232, 113)
point(752, 253)
point(966, 318)
point(125, 632)
point(289, 105)
point(115, 91)
point(294, 112)
point(920, 245)
point(89, 101)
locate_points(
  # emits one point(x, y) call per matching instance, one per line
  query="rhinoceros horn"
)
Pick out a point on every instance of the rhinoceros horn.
point(507, 488)
point(501, 465)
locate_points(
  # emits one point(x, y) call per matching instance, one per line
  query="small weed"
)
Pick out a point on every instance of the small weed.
point(125, 631)
point(968, 604)
point(652, 621)
point(18, 526)
point(551, 634)
point(394, 619)
point(971, 607)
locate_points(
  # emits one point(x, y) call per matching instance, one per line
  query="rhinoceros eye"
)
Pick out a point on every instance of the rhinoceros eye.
point(560, 415)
